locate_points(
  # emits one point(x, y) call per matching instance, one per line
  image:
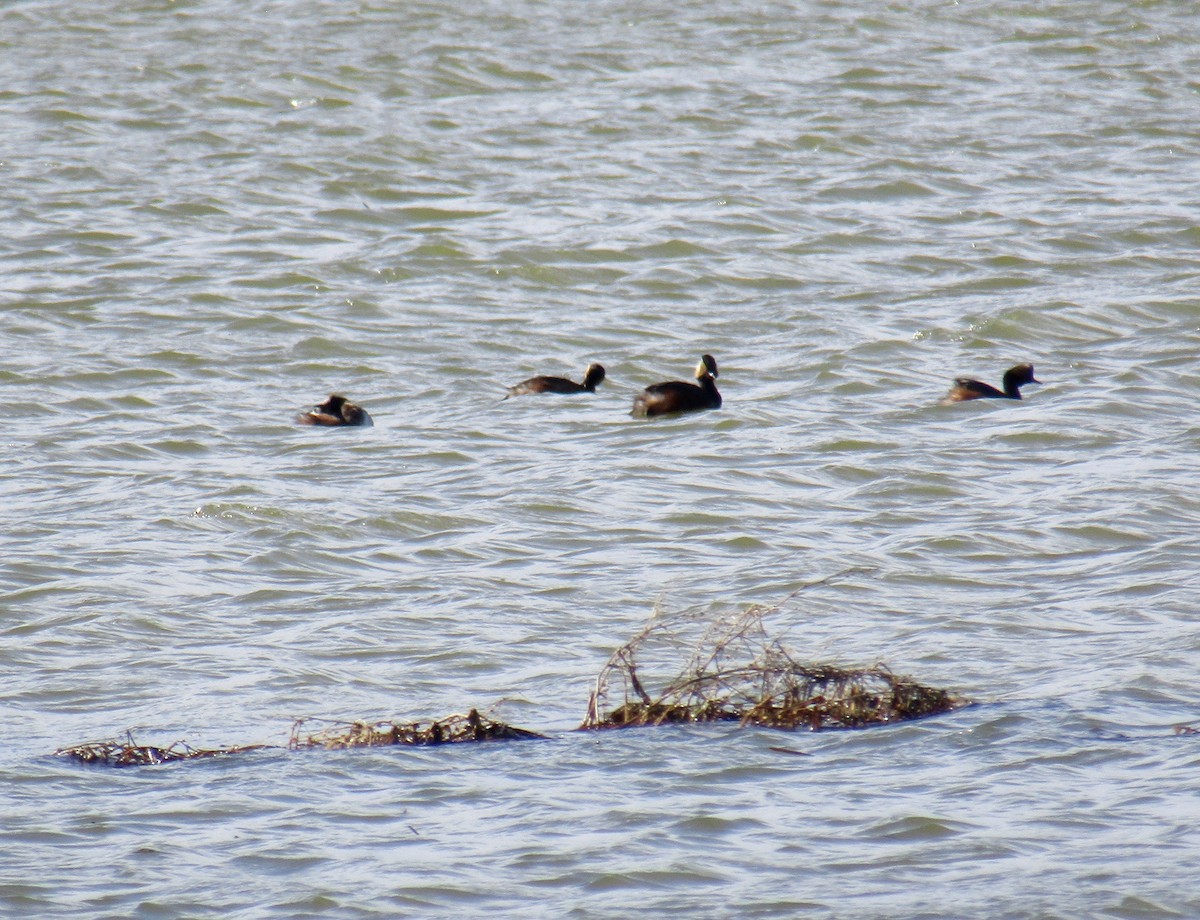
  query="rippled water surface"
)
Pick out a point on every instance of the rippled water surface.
point(217, 213)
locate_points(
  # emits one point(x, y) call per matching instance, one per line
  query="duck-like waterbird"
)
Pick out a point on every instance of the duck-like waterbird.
point(592, 378)
point(336, 411)
point(677, 396)
point(1014, 378)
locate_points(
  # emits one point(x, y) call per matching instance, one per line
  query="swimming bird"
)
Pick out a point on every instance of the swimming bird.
point(677, 396)
point(335, 411)
point(592, 378)
point(1014, 378)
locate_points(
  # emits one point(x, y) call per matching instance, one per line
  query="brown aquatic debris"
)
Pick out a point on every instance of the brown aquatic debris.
point(129, 753)
point(733, 671)
point(452, 729)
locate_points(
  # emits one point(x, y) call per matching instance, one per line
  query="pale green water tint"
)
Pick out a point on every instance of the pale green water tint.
point(219, 213)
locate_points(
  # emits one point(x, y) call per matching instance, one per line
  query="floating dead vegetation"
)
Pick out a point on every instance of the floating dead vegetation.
point(733, 671)
point(726, 669)
point(128, 753)
point(453, 729)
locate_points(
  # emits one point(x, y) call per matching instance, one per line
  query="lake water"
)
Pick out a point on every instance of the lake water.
point(217, 213)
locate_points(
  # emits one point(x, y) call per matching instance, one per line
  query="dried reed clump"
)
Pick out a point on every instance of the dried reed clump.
point(452, 729)
point(128, 753)
point(734, 672)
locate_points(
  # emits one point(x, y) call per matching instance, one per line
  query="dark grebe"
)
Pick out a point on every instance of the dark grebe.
point(592, 378)
point(676, 396)
point(336, 410)
point(1014, 379)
